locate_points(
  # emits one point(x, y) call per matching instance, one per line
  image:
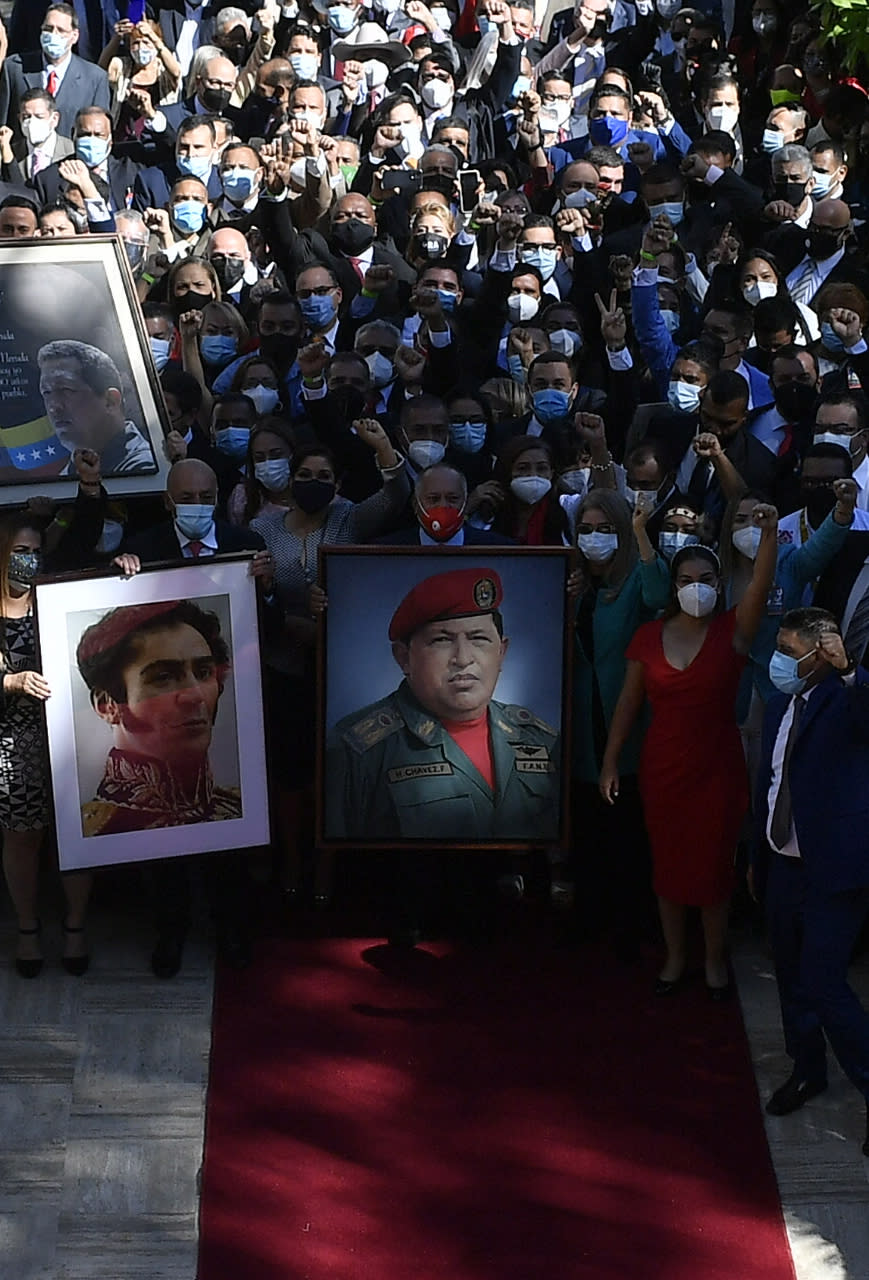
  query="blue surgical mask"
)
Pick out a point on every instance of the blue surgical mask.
point(188, 216)
point(448, 300)
point(772, 141)
point(232, 441)
point(160, 348)
point(468, 437)
point(485, 24)
point(671, 319)
point(305, 65)
point(674, 209)
point(607, 131)
point(683, 396)
point(565, 341)
point(194, 519)
point(831, 339)
point(669, 543)
point(238, 184)
point(195, 167)
point(550, 405)
point(342, 18)
point(784, 672)
point(273, 474)
point(218, 348)
point(545, 260)
point(521, 84)
point(52, 44)
point(598, 547)
point(92, 151)
point(318, 310)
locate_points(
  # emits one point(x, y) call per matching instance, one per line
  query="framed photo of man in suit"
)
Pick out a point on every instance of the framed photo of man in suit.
point(155, 725)
point(76, 371)
point(444, 698)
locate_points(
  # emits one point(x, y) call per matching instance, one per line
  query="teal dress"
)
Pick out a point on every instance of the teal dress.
point(600, 642)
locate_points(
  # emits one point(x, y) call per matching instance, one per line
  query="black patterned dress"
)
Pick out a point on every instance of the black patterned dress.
point(23, 755)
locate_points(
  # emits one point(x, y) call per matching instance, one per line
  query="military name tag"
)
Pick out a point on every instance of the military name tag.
point(405, 772)
point(534, 766)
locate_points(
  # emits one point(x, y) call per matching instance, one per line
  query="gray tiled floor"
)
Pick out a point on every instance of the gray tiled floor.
point(102, 1095)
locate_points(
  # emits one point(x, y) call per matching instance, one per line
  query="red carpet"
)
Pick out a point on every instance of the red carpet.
point(506, 1113)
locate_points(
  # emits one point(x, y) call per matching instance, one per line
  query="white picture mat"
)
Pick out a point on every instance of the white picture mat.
point(56, 601)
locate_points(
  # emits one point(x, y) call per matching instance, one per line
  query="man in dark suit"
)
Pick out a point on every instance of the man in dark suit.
point(113, 178)
point(440, 497)
point(193, 534)
point(72, 82)
point(812, 810)
point(213, 88)
point(195, 157)
point(100, 17)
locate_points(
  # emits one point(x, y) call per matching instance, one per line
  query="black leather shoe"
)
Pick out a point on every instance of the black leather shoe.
point(793, 1094)
point(166, 956)
point(77, 966)
point(666, 987)
point(30, 968)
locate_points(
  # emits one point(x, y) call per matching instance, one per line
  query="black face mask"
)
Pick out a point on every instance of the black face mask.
point(430, 246)
point(216, 100)
point(352, 237)
point(793, 193)
point(795, 400)
point(135, 254)
point(191, 302)
point(441, 183)
point(279, 349)
point(347, 402)
point(818, 503)
point(822, 244)
point(313, 495)
point(229, 270)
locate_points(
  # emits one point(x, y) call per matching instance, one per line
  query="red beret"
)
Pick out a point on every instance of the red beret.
point(117, 625)
point(458, 594)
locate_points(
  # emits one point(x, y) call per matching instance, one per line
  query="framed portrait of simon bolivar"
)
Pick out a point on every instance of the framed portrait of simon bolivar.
point(155, 719)
point(443, 697)
point(76, 371)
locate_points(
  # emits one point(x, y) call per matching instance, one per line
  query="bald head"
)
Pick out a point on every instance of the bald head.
point(191, 482)
point(831, 214)
point(218, 69)
point(229, 243)
point(353, 205)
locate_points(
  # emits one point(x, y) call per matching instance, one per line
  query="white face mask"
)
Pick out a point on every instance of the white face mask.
point(144, 55)
point(764, 24)
point(747, 540)
point(754, 293)
point(305, 65)
point(580, 199)
point(574, 481)
point(771, 141)
point(565, 341)
point(697, 599)
point(36, 130)
point(437, 94)
point(382, 369)
point(722, 117)
point(598, 547)
point(833, 437)
point(683, 396)
point(824, 183)
point(411, 135)
point(273, 474)
point(425, 453)
point(314, 117)
point(671, 542)
point(650, 497)
point(442, 17)
point(530, 489)
point(265, 398)
point(521, 308)
point(376, 73)
point(554, 115)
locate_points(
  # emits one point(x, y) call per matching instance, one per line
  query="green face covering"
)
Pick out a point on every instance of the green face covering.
point(349, 171)
point(781, 97)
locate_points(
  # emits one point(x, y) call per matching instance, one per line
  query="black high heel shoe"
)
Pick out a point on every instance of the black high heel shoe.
point(75, 965)
point(30, 968)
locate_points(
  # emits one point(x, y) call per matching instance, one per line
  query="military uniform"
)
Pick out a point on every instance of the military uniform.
point(393, 772)
point(138, 793)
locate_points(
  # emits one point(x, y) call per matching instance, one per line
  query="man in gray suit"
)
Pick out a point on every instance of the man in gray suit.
point(40, 145)
point(72, 82)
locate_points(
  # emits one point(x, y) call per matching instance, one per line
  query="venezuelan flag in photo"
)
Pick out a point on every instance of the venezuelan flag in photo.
point(31, 446)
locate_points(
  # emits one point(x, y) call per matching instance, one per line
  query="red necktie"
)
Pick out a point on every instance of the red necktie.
point(788, 440)
point(358, 269)
point(52, 83)
point(196, 548)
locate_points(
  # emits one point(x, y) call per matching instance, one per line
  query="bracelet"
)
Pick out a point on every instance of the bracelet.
point(646, 257)
point(148, 278)
point(368, 293)
point(603, 466)
point(60, 522)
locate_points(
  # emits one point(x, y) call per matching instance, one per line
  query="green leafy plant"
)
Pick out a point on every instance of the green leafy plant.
point(846, 22)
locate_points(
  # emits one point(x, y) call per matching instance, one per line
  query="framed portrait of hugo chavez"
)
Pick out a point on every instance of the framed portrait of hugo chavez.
point(76, 371)
point(155, 720)
point(443, 697)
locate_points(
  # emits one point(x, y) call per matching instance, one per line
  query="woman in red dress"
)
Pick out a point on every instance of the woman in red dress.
point(693, 779)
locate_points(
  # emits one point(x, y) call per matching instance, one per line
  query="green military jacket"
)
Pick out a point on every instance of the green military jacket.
point(394, 773)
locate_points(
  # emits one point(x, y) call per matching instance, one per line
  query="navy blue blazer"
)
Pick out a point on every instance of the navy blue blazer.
point(829, 769)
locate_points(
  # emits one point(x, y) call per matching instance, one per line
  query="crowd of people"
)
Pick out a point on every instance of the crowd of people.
point(500, 273)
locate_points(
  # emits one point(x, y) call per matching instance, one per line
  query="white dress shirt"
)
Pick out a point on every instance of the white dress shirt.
point(208, 540)
point(791, 848)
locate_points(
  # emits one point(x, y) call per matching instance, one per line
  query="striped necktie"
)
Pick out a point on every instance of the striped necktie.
point(802, 289)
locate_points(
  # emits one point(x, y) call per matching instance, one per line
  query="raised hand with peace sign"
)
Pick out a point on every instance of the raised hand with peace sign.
point(613, 322)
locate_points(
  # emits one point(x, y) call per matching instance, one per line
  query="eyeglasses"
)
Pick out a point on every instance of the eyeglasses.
point(319, 291)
